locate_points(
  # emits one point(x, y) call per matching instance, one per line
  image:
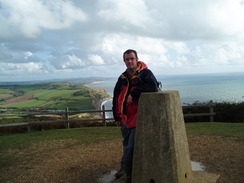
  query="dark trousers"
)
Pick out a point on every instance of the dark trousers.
point(128, 148)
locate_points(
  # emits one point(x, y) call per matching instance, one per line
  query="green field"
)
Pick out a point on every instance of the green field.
point(5, 91)
point(50, 96)
point(15, 146)
point(214, 128)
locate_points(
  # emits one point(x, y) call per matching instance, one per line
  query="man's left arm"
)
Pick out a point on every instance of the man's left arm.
point(147, 83)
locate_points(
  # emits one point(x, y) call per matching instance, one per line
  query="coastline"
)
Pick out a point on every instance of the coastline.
point(195, 88)
point(108, 106)
point(92, 83)
point(105, 101)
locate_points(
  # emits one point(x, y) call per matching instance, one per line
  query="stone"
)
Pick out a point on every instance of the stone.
point(161, 153)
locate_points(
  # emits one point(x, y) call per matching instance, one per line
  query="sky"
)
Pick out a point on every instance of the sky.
point(55, 39)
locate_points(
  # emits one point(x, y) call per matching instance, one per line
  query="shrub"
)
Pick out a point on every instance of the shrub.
point(229, 112)
point(225, 112)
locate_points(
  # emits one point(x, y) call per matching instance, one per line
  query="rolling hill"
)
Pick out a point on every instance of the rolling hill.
point(51, 96)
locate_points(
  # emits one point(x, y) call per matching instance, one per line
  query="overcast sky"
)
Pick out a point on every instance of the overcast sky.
point(47, 39)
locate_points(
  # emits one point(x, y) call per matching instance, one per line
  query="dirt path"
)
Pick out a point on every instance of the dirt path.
point(85, 163)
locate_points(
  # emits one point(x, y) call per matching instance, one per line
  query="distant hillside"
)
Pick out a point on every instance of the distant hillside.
point(51, 96)
point(82, 81)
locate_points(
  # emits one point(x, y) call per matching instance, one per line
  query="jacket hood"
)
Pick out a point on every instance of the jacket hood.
point(140, 66)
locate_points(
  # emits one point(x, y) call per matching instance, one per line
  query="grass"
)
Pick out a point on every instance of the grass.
point(11, 120)
point(214, 128)
point(59, 99)
point(82, 135)
point(54, 96)
point(48, 94)
point(5, 91)
point(13, 145)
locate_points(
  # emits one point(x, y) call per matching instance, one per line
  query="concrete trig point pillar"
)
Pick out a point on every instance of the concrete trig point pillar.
point(161, 153)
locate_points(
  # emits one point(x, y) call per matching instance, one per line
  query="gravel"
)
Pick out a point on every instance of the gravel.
point(86, 163)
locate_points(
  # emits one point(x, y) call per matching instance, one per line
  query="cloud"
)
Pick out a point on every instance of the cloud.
point(30, 17)
point(28, 54)
point(73, 61)
point(96, 59)
point(229, 13)
point(175, 20)
point(21, 68)
point(133, 13)
point(229, 54)
point(89, 37)
point(66, 62)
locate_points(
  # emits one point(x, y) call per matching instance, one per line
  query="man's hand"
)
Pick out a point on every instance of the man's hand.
point(130, 99)
point(118, 123)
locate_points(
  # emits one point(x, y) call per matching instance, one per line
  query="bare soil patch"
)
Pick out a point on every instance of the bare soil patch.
point(5, 96)
point(18, 100)
point(86, 163)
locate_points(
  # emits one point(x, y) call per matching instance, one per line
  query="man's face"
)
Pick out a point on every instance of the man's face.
point(131, 60)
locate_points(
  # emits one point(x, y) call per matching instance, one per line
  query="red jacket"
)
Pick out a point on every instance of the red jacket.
point(143, 80)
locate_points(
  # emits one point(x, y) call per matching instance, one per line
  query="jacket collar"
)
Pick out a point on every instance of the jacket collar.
point(140, 66)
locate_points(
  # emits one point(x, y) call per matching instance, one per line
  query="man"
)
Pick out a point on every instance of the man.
point(135, 80)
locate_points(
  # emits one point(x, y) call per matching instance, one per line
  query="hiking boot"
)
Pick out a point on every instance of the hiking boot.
point(120, 173)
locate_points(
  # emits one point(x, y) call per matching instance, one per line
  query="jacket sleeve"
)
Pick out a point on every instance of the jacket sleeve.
point(116, 93)
point(146, 82)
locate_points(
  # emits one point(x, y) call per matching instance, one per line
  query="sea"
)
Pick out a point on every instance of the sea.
point(200, 88)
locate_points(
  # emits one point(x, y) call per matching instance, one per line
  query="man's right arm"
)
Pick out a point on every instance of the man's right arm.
point(115, 97)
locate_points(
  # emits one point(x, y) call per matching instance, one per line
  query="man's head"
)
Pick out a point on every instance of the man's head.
point(130, 59)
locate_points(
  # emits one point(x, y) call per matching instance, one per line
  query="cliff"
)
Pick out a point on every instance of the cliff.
point(98, 96)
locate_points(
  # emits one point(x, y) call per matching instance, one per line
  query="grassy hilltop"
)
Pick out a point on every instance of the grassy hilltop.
point(51, 96)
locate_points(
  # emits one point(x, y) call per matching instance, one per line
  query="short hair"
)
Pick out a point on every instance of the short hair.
point(128, 52)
